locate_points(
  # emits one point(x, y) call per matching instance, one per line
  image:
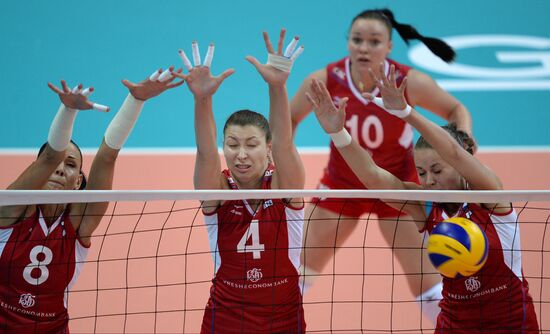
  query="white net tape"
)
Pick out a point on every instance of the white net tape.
point(27, 197)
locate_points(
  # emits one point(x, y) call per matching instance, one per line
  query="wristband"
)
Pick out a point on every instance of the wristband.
point(401, 113)
point(122, 124)
point(341, 138)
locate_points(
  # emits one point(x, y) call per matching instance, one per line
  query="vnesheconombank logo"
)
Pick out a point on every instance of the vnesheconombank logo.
point(525, 69)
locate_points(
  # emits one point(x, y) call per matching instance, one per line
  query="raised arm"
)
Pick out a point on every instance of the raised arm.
point(103, 166)
point(300, 106)
point(37, 174)
point(203, 86)
point(332, 120)
point(289, 172)
point(478, 176)
point(423, 91)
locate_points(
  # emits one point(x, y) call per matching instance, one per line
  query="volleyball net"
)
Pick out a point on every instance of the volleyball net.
point(150, 265)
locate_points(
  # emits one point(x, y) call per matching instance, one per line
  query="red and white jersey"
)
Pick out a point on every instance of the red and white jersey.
point(256, 255)
point(39, 264)
point(387, 137)
point(496, 299)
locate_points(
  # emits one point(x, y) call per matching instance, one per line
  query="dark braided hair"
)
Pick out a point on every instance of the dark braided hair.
point(461, 137)
point(408, 32)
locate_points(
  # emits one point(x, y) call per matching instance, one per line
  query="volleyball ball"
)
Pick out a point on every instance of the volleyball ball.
point(457, 247)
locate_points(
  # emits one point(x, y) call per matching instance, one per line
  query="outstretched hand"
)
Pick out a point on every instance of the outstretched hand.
point(329, 116)
point(156, 84)
point(393, 97)
point(200, 80)
point(76, 98)
point(269, 72)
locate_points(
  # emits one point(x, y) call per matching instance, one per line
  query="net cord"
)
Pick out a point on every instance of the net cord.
point(30, 197)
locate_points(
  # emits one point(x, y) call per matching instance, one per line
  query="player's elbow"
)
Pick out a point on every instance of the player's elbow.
point(457, 113)
point(107, 156)
point(51, 157)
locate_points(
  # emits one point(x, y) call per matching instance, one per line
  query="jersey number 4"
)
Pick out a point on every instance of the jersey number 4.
point(253, 231)
point(41, 265)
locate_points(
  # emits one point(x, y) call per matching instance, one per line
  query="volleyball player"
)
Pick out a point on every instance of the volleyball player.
point(255, 243)
point(43, 247)
point(494, 300)
point(389, 139)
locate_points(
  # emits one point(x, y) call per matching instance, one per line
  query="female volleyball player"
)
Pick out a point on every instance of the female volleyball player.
point(255, 243)
point(43, 247)
point(388, 138)
point(494, 300)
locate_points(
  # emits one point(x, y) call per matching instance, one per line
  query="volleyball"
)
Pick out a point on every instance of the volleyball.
point(457, 247)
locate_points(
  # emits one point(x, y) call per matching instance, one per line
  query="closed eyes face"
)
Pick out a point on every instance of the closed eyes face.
point(246, 153)
point(67, 175)
point(368, 43)
point(436, 174)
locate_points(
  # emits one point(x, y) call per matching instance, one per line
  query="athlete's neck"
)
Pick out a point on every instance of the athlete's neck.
point(251, 185)
point(451, 208)
point(50, 212)
point(362, 81)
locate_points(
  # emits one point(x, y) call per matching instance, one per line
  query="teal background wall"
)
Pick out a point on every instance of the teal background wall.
point(101, 42)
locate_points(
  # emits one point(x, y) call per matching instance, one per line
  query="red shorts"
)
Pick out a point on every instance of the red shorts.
point(517, 317)
point(356, 207)
point(252, 319)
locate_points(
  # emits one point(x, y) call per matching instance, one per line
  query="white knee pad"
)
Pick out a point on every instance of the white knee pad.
point(429, 302)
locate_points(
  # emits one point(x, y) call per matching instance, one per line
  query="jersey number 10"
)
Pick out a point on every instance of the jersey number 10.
point(370, 121)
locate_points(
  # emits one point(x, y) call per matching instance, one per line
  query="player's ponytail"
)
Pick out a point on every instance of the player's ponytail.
point(408, 32)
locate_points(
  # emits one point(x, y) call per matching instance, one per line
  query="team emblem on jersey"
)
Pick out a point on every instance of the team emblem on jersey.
point(336, 100)
point(254, 275)
point(472, 284)
point(268, 203)
point(339, 73)
point(26, 300)
point(237, 210)
point(398, 74)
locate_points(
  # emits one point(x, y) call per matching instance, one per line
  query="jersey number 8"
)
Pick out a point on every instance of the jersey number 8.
point(41, 265)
